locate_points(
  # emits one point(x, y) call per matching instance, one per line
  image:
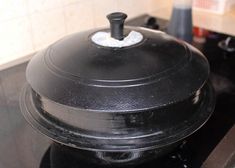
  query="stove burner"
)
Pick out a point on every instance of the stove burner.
point(228, 44)
point(57, 157)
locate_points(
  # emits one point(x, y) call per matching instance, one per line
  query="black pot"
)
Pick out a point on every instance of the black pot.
point(118, 101)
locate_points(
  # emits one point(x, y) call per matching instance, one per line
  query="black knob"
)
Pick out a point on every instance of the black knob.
point(151, 22)
point(117, 20)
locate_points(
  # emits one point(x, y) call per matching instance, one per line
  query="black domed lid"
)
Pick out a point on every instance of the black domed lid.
point(149, 70)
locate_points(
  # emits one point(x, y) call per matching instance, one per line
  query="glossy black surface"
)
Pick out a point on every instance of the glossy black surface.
point(118, 106)
point(62, 157)
point(21, 146)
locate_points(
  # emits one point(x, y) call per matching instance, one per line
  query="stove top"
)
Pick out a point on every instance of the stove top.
point(21, 146)
point(57, 157)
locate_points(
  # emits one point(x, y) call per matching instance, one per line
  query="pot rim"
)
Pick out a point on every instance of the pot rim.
point(69, 137)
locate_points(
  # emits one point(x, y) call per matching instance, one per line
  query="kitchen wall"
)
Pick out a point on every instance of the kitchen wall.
point(27, 26)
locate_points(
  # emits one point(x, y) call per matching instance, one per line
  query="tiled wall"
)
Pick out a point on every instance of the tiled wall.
point(27, 26)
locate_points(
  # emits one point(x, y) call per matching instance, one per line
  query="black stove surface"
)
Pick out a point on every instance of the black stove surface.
point(23, 147)
point(55, 158)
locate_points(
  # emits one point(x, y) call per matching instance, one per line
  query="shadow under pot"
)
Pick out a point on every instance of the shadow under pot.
point(118, 96)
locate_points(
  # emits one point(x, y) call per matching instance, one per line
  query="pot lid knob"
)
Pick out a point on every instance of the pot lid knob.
point(117, 20)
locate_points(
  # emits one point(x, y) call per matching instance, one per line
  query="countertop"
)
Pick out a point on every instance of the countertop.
point(21, 146)
point(218, 23)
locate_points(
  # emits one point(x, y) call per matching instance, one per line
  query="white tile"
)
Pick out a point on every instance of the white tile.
point(10, 9)
point(79, 16)
point(69, 2)
point(47, 27)
point(15, 39)
point(154, 5)
point(103, 8)
point(43, 5)
point(132, 7)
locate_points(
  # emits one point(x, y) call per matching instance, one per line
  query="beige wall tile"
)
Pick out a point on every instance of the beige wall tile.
point(69, 2)
point(101, 9)
point(15, 38)
point(154, 5)
point(43, 5)
point(47, 27)
point(79, 16)
point(29, 25)
point(133, 7)
point(10, 9)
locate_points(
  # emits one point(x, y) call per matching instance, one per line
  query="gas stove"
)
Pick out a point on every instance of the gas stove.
point(21, 146)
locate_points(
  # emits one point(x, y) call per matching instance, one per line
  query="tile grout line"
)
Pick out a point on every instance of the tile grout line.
point(31, 26)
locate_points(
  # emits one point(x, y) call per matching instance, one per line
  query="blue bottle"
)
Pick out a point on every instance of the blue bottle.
point(180, 24)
